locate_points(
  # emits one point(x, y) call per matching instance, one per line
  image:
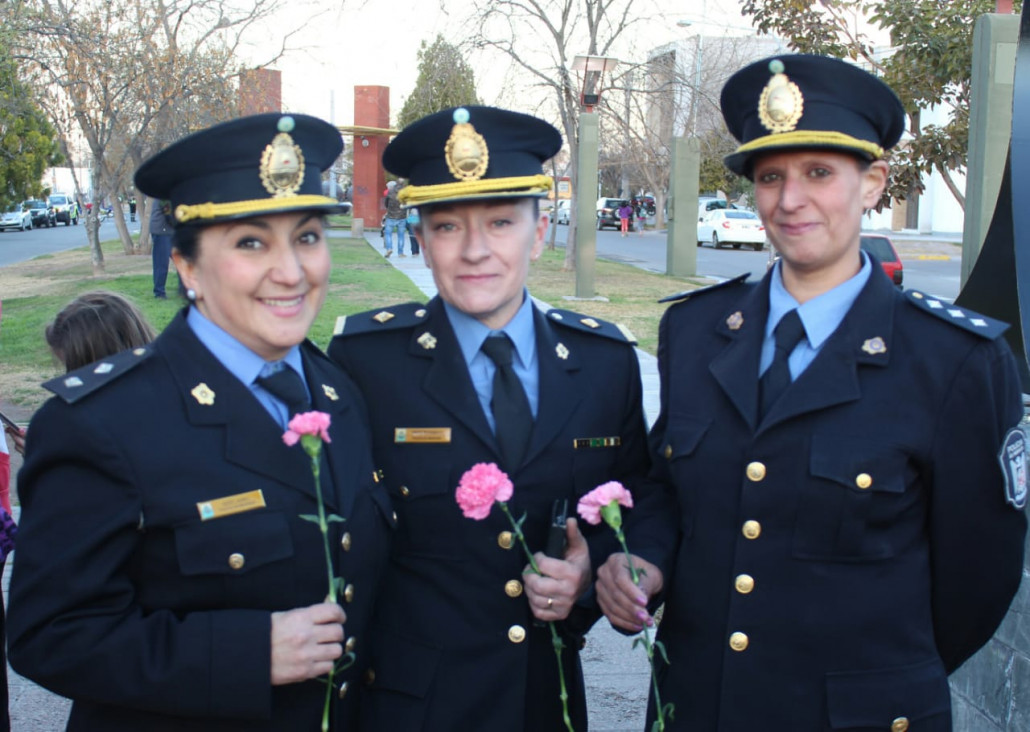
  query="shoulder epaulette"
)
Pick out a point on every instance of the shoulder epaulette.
point(596, 326)
point(82, 382)
point(407, 315)
point(687, 294)
point(960, 317)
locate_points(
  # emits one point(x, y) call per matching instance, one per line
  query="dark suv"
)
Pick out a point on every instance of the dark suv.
point(42, 213)
point(608, 212)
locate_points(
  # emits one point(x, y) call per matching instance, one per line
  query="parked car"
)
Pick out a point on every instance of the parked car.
point(65, 208)
point(16, 218)
point(883, 249)
point(731, 226)
point(42, 212)
point(564, 211)
point(608, 212)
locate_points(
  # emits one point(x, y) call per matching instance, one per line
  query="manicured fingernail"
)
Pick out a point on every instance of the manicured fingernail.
point(642, 616)
point(642, 599)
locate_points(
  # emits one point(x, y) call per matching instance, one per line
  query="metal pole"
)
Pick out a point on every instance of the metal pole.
point(586, 213)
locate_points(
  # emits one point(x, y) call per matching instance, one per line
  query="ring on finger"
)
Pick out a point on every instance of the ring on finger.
point(550, 602)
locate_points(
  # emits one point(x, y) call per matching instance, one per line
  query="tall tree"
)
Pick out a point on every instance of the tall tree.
point(120, 80)
point(445, 79)
point(930, 65)
point(28, 143)
point(541, 38)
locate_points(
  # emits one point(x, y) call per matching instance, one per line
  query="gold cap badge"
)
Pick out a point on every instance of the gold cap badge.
point(781, 104)
point(466, 152)
point(282, 163)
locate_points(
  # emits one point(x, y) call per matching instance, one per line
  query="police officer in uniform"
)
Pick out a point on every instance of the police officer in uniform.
point(166, 579)
point(843, 524)
point(458, 643)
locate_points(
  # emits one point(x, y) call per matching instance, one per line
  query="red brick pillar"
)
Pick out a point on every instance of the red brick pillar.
point(371, 109)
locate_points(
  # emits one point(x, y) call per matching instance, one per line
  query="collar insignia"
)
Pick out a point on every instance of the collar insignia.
point(874, 346)
point(282, 163)
point(203, 394)
point(735, 321)
point(330, 392)
point(427, 340)
point(781, 104)
point(562, 351)
point(466, 152)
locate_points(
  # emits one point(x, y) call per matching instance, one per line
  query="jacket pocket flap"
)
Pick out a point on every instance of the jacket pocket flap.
point(683, 435)
point(234, 544)
point(402, 665)
point(875, 699)
point(858, 464)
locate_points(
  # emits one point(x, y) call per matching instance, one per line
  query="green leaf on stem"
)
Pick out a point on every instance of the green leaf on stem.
point(310, 517)
point(661, 650)
point(333, 518)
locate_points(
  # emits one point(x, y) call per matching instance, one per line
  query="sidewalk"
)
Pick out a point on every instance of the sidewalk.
point(616, 674)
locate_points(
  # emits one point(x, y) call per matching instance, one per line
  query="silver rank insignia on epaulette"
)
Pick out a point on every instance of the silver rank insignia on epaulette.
point(958, 316)
point(84, 381)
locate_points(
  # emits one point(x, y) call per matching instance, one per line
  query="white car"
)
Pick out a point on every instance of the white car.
point(561, 216)
point(731, 226)
point(16, 218)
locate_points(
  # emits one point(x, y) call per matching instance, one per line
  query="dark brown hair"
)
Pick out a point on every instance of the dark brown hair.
point(96, 325)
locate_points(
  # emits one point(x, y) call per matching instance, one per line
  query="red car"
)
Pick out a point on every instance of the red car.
point(881, 247)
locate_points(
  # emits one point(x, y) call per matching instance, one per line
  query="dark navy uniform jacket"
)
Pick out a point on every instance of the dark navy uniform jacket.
point(456, 647)
point(828, 567)
point(145, 615)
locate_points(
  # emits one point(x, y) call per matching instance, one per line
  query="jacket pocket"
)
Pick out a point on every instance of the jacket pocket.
point(682, 438)
point(402, 673)
point(855, 504)
point(233, 545)
point(878, 699)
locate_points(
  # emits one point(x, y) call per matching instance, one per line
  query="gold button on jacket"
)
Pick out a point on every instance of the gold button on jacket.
point(370, 677)
point(348, 593)
point(345, 541)
point(350, 644)
point(343, 690)
point(236, 561)
point(744, 583)
point(738, 641)
point(505, 540)
point(755, 471)
point(516, 634)
point(751, 529)
point(513, 588)
point(863, 480)
point(900, 724)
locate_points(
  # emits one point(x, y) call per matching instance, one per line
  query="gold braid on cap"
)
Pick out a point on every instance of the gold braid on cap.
point(813, 138)
point(526, 185)
point(188, 212)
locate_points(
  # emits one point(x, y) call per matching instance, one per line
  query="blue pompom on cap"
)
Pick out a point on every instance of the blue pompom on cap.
point(286, 124)
point(461, 116)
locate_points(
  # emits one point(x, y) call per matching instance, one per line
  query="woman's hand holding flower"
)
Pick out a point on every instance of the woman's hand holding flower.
point(306, 642)
point(623, 602)
point(552, 594)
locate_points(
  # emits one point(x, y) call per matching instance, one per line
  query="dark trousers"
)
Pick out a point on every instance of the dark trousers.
point(161, 253)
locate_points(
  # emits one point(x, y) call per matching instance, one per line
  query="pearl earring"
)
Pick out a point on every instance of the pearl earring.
point(191, 295)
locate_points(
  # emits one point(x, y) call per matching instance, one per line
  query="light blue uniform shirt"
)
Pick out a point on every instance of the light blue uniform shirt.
point(244, 364)
point(821, 316)
point(471, 333)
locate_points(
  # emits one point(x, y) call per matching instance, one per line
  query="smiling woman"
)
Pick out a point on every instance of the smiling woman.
point(206, 604)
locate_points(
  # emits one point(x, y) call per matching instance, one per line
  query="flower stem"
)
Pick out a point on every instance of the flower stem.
point(556, 640)
point(331, 597)
point(648, 647)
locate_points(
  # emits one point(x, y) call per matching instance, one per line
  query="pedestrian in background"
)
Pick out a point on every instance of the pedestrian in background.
point(481, 375)
point(625, 213)
point(843, 522)
point(161, 250)
point(395, 225)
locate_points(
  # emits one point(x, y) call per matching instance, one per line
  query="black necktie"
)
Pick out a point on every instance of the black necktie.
point(789, 332)
point(287, 386)
point(512, 416)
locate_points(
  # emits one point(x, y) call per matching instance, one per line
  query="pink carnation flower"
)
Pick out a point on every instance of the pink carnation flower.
point(307, 423)
point(591, 504)
point(480, 486)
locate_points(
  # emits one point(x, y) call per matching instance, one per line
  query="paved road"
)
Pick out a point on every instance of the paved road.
point(18, 246)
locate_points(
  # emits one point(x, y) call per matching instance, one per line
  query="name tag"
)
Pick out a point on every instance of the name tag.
point(582, 443)
point(231, 504)
point(422, 435)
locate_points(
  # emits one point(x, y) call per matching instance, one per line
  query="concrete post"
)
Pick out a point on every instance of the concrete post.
point(586, 213)
point(684, 177)
point(990, 126)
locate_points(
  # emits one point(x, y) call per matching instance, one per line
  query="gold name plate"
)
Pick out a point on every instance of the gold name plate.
point(422, 435)
point(231, 504)
point(581, 443)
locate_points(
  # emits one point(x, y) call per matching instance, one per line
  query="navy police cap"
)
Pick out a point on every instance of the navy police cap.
point(809, 102)
point(262, 164)
point(470, 153)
